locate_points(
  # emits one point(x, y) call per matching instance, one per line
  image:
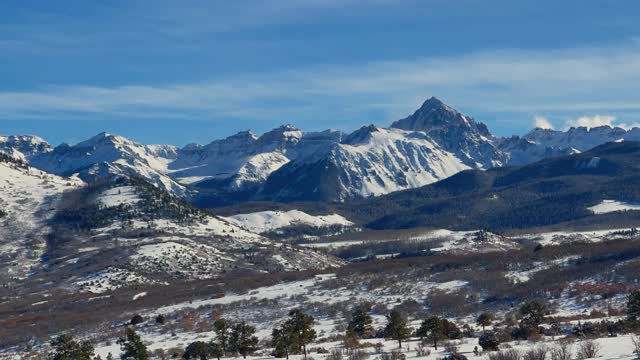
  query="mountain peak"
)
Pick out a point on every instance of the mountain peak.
point(433, 114)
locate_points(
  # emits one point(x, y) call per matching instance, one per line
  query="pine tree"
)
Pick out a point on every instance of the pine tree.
point(281, 341)
point(397, 328)
point(242, 339)
point(66, 347)
point(301, 329)
point(532, 313)
point(196, 350)
point(485, 319)
point(633, 305)
point(216, 350)
point(432, 328)
point(222, 327)
point(132, 346)
point(361, 322)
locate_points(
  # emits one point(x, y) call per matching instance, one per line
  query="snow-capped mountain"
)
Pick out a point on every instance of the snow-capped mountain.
point(23, 147)
point(239, 161)
point(461, 135)
point(581, 138)
point(106, 155)
point(540, 143)
point(371, 161)
point(287, 164)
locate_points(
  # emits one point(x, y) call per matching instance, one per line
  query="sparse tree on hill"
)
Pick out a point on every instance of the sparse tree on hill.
point(533, 313)
point(485, 319)
point(361, 322)
point(215, 350)
point(281, 341)
point(633, 305)
point(300, 326)
point(222, 328)
point(489, 341)
point(432, 329)
point(132, 346)
point(397, 328)
point(197, 350)
point(66, 347)
point(242, 339)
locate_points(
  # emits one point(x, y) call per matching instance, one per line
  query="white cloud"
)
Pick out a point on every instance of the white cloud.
point(542, 122)
point(599, 120)
point(592, 121)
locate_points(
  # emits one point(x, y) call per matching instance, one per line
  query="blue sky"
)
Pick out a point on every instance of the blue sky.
point(193, 71)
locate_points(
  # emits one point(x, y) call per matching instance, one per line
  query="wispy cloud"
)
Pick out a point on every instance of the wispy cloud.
point(512, 81)
point(542, 122)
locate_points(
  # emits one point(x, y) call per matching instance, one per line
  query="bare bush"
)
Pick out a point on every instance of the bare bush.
point(562, 351)
point(636, 345)
point(422, 351)
point(451, 347)
point(588, 349)
point(538, 353)
point(334, 355)
point(510, 354)
point(393, 355)
point(358, 354)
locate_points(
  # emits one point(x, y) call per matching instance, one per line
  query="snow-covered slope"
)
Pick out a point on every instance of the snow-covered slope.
point(106, 155)
point(461, 135)
point(544, 143)
point(27, 199)
point(369, 162)
point(239, 161)
point(581, 138)
point(23, 147)
point(263, 221)
point(133, 233)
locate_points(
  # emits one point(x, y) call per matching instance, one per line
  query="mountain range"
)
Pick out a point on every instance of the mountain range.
point(287, 164)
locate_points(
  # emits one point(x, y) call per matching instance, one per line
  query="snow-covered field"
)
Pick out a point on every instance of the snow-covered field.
point(121, 195)
point(607, 206)
point(263, 221)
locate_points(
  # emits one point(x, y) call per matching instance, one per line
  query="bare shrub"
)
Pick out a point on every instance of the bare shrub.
point(334, 355)
point(451, 347)
point(538, 353)
point(358, 354)
point(636, 345)
point(562, 351)
point(588, 349)
point(395, 354)
point(510, 354)
point(422, 351)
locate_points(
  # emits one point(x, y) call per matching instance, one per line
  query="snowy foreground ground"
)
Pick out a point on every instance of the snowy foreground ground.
point(620, 347)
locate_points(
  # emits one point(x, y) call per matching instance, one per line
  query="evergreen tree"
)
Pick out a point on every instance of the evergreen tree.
point(301, 329)
point(485, 319)
point(242, 339)
point(397, 328)
point(196, 350)
point(489, 341)
point(222, 327)
point(67, 348)
point(532, 313)
point(433, 329)
point(281, 341)
point(361, 323)
point(633, 305)
point(216, 350)
point(132, 346)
